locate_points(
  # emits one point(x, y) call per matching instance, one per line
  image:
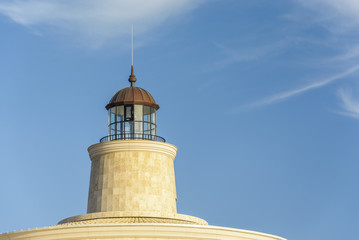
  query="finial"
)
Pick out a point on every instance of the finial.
point(132, 79)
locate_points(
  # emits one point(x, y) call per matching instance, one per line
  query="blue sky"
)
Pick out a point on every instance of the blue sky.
point(261, 98)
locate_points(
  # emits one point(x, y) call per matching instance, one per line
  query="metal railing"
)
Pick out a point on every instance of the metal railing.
point(132, 136)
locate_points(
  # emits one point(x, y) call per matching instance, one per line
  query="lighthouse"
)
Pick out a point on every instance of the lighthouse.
point(132, 168)
point(132, 191)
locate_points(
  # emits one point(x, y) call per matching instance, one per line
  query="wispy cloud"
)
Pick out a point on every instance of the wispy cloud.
point(291, 93)
point(334, 14)
point(351, 53)
point(338, 16)
point(348, 8)
point(245, 54)
point(92, 21)
point(349, 103)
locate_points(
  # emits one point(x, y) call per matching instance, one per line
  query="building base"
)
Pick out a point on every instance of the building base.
point(137, 232)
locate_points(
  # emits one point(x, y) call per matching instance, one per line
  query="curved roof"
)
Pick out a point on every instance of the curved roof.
point(132, 95)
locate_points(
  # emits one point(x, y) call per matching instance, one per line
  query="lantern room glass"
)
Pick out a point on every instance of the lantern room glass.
point(132, 122)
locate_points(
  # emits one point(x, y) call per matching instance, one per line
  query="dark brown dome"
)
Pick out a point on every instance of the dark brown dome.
point(132, 95)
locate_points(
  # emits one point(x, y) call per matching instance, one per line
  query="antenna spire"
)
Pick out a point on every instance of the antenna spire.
point(132, 44)
point(132, 79)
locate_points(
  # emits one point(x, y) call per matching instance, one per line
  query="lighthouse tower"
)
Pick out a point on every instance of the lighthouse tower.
point(132, 171)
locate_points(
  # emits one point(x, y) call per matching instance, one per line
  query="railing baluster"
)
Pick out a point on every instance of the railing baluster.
point(132, 136)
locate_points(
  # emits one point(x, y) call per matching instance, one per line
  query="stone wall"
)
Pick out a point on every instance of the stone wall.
point(132, 176)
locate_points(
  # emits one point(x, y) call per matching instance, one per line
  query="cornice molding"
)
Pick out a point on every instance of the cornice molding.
point(127, 214)
point(132, 145)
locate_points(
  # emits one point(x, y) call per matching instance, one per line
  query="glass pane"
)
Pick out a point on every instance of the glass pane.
point(112, 129)
point(153, 129)
point(146, 128)
point(153, 115)
point(119, 128)
point(146, 113)
point(129, 112)
point(112, 115)
point(128, 127)
point(139, 127)
point(138, 112)
point(119, 113)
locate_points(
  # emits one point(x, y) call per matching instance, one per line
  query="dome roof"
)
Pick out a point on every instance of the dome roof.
point(132, 95)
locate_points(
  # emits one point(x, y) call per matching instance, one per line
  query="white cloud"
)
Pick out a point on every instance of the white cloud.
point(335, 11)
point(291, 93)
point(344, 7)
point(335, 15)
point(94, 21)
point(244, 54)
point(349, 103)
point(352, 53)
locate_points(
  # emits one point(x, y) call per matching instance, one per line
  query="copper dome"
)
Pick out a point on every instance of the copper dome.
point(132, 95)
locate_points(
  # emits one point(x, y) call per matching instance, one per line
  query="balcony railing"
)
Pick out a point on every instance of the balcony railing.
point(132, 136)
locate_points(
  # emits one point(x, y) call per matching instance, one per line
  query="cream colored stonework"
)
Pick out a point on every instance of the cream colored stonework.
point(133, 181)
point(132, 176)
point(137, 232)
